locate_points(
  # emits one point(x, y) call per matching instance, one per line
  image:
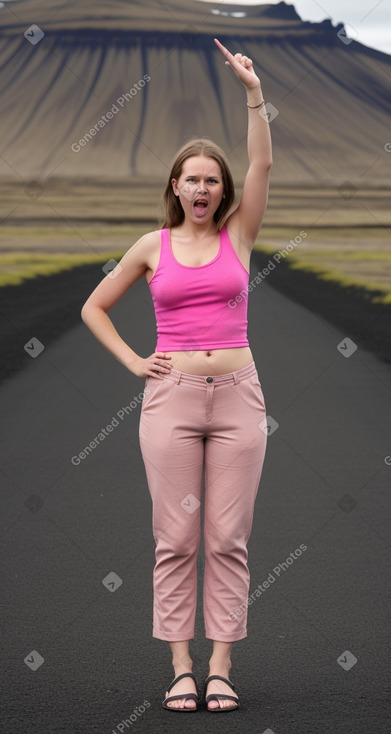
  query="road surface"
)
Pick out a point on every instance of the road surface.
point(77, 548)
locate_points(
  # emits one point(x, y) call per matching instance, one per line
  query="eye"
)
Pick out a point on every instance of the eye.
point(190, 178)
point(213, 180)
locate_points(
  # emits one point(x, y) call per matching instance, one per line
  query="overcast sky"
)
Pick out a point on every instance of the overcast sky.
point(370, 19)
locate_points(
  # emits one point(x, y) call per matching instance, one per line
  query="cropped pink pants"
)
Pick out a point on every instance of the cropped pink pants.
point(187, 421)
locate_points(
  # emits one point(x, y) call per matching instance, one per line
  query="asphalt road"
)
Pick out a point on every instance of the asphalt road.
point(78, 653)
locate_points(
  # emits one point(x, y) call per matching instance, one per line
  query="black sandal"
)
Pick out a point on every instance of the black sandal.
point(216, 696)
point(194, 696)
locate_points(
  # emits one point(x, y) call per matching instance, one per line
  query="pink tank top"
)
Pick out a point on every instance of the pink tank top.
point(201, 307)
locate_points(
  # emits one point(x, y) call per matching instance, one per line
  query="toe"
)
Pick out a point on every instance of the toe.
point(190, 703)
point(213, 704)
point(227, 703)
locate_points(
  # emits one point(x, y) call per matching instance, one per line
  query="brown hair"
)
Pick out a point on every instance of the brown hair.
point(173, 212)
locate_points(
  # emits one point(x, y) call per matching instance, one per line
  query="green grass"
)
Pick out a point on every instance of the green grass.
point(14, 269)
point(327, 271)
point(348, 233)
point(344, 280)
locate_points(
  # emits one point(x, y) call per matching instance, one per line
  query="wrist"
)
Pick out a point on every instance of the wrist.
point(130, 361)
point(254, 96)
point(255, 88)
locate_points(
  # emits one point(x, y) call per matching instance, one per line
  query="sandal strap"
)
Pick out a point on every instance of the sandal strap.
point(178, 678)
point(220, 677)
point(220, 695)
point(183, 695)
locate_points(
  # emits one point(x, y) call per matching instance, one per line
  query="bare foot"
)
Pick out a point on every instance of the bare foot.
point(185, 685)
point(218, 686)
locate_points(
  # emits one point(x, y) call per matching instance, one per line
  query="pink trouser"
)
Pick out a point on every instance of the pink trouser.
point(177, 414)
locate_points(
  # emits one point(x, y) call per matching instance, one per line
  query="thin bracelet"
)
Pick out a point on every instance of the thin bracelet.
point(254, 107)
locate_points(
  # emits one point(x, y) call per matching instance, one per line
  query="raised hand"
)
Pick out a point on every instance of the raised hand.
point(242, 66)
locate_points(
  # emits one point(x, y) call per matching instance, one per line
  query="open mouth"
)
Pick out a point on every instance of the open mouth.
point(201, 205)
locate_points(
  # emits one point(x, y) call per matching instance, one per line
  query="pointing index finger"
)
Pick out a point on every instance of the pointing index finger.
point(223, 49)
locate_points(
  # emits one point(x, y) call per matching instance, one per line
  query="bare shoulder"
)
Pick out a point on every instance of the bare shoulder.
point(137, 260)
point(132, 266)
point(146, 243)
point(236, 233)
point(239, 245)
point(143, 250)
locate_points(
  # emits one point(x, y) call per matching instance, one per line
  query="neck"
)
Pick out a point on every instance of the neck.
point(195, 230)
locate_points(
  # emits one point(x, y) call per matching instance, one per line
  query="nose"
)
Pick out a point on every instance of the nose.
point(201, 189)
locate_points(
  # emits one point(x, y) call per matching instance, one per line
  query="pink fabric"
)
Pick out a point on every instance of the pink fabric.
point(185, 421)
point(195, 307)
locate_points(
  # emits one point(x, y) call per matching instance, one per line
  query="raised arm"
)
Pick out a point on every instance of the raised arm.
point(247, 218)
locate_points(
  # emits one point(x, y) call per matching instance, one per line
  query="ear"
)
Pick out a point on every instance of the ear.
point(174, 186)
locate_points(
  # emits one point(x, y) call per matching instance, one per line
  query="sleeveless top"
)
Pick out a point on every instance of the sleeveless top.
point(200, 307)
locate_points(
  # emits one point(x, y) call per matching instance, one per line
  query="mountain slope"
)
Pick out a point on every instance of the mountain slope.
point(332, 97)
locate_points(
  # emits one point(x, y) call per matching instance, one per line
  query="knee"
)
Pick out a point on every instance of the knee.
point(187, 547)
point(226, 546)
point(181, 547)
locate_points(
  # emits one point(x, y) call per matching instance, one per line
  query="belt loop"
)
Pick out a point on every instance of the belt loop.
point(236, 379)
point(178, 378)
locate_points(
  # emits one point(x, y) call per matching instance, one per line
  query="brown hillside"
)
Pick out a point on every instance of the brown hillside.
point(333, 98)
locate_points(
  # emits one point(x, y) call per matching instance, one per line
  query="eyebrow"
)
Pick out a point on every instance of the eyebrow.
point(195, 175)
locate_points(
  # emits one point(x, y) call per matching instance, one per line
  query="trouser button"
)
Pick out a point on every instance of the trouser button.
point(209, 379)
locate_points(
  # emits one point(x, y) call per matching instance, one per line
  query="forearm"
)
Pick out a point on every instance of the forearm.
point(259, 143)
point(104, 330)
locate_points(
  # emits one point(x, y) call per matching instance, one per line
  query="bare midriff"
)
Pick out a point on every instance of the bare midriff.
point(211, 361)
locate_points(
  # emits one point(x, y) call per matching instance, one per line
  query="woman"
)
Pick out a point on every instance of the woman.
point(204, 401)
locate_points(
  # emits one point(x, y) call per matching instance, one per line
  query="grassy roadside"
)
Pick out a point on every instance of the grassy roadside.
point(367, 269)
point(15, 269)
point(326, 265)
point(347, 256)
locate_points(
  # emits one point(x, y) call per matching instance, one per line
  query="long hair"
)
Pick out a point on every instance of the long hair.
point(173, 214)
